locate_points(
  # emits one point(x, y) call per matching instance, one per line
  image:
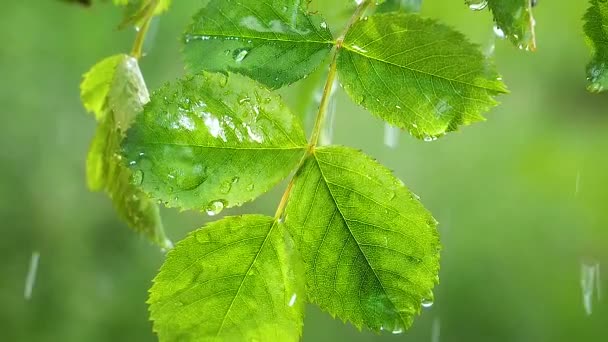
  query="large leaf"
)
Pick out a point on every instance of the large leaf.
point(596, 22)
point(272, 41)
point(370, 247)
point(213, 141)
point(515, 21)
point(238, 279)
point(115, 91)
point(416, 74)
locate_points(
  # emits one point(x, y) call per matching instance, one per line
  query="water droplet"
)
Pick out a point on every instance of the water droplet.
point(292, 301)
point(323, 25)
point(477, 5)
point(226, 186)
point(499, 32)
point(240, 54)
point(137, 177)
point(250, 187)
point(215, 207)
point(427, 303)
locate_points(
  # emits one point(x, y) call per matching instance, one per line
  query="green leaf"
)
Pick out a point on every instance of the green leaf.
point(238, 279)
point(275, 42)
point(213, 141)
point(371, 249)
point(417, 74)
point(409, 6)
point(514, 18)
point(115, 92)
point(596, 21)
point(136, 11)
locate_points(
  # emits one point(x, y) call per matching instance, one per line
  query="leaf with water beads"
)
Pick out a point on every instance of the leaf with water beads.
point(115, 92)
point(275, 42)
point(596, 19)
point(417, 74)
point(370, 248)
point(514, 20)
point(213, 141)
point(237, 279)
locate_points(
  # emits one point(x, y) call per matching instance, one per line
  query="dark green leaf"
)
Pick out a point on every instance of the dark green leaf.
point(409, 6)
point(596, 21)
point(515, 21)
point(370, 247)
point(417, 74)
point(274, 42)
point(238, 279)
point(213, 141)
point(115, 91)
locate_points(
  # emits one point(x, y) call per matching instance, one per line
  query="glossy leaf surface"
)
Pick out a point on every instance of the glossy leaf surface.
point(596, 21)
point(417, 74)
point(275, 42)
point(370, 247)
point(213, 141)
point(515, 21)
point(237, 279)
point(115, 92)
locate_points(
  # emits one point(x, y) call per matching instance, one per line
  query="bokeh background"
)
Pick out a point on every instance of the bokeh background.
point(521, 199)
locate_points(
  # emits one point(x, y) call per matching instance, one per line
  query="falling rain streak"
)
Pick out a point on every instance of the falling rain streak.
point(590, 285)
point(30, 279)
point(391, 135)
point(436, 330)
point(327, 132)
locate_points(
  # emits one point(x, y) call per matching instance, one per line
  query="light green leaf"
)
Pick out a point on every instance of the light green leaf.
point(371, 249)
point(213, 141)
point(417, 74)
point(238, 279)
point(596, 22)
point(515, 20)
point(136, 11)
point(275, 42)
point(115, 91)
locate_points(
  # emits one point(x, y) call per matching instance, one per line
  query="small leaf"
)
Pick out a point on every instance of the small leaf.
point(238, 279)
point(417, 74)
point(596, 20)
point(514, 20)
point(213, 141)
point(137, 10)
point(409, 6)
point(115, 91)
point(370, 247)
point(275, 42)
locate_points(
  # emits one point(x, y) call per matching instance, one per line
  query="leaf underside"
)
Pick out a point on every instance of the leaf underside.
point(213, 141)
point(237, 279)
point(417, 74)
point(596, 30)
point(274, 42)
point(370, 247)
point(115, 92)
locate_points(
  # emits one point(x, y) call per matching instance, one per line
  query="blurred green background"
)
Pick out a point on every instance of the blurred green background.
point(521, 199)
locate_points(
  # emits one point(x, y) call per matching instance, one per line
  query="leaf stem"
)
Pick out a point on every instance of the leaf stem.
point(331, 76)
point(138, 45)
point(320, 118)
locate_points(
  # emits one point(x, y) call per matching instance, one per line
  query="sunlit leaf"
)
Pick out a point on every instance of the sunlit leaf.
point(514, 20)
point(238, 279)
point(115, 92)
point(136, 11)
point(596, 21)
point(370, 247)
point(275, 42)
point(417, 74)
point(213, 141)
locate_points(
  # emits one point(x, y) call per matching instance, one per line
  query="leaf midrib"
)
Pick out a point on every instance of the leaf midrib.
point(333, 198)
point(225, 36)
point(350, 49)
point(225, 147)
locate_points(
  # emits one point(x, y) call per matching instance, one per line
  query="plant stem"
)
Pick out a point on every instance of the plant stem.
point(138, 45)
point(331, 76)
point(320, 118)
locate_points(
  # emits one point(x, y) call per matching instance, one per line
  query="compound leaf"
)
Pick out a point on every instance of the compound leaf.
point(114, 90)
point(416, 74)
point(238, 279)
point(596, 22)
point(213, 141)
point(275, 42)
point(369, 246)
